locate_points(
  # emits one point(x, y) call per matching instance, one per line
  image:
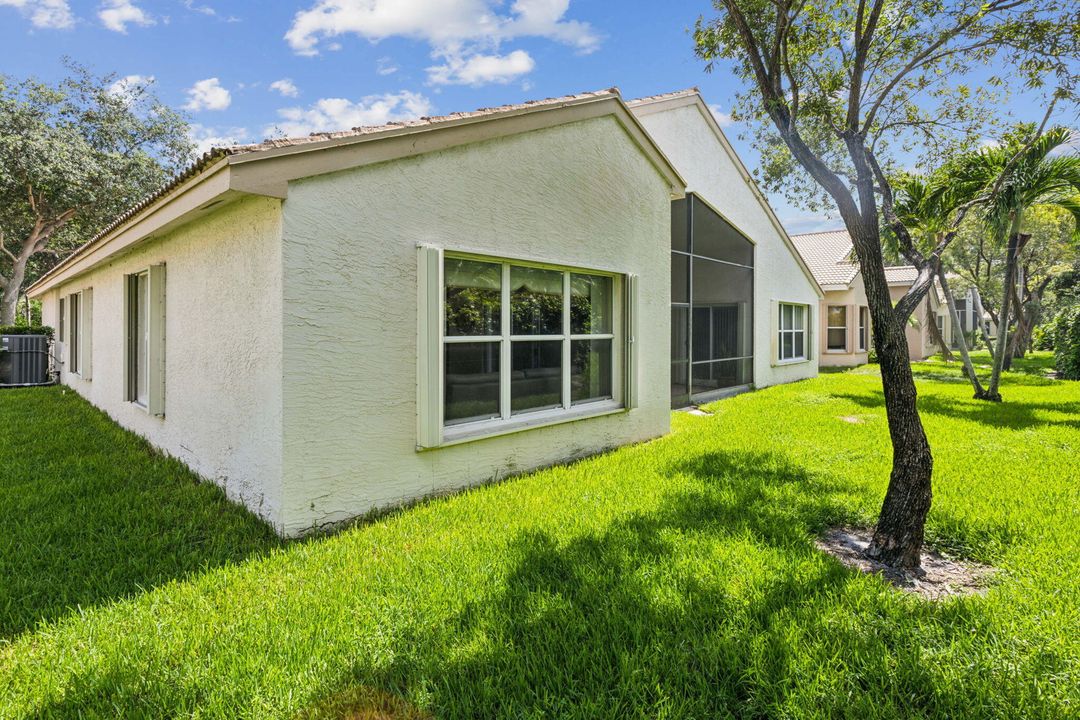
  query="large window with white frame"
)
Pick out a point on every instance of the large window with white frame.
point(793, 324)
point(525, 341)
point(836, 330)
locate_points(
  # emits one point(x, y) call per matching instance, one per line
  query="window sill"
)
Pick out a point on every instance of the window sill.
point(791, 361)
point(845, 351)
point(457, 434)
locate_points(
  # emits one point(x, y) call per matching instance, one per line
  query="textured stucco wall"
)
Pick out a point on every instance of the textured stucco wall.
point(222, 348)
point(690, 144)
point(580, 194)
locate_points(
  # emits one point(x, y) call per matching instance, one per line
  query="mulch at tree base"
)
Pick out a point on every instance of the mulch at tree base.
point(943, 576)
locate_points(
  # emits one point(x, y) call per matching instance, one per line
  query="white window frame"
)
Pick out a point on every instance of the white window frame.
point(432, 339)
point(74, 329)
point(864, 328)
point(843, 327)
point(155, 341)
point(803, 354)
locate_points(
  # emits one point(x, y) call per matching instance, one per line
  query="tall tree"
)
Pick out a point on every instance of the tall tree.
point(925, 209)
point(1019, 175)
point(73, 156)
point(832, 88)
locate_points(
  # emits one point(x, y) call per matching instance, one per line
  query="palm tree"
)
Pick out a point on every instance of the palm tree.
point(1014, 177)
point(925, 207)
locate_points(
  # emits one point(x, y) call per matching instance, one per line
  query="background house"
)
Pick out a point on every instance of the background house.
point(845, 332)
point(331, 324)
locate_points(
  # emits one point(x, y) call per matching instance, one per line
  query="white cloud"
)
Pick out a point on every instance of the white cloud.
point(52, 14)
point(466, 30)
point(116, 15)
point(130, 83)
point(207, 95)
point(206, 137)
point(723, 119)
point(481, 69)
point(385, 66)
point(329, 114)
point(286, 87)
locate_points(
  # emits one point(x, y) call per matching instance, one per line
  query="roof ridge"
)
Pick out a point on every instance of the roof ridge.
point(686, 92)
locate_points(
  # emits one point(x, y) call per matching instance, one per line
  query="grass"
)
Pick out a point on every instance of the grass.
point(672, 579)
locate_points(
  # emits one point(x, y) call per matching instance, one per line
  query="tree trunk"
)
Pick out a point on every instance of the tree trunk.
point(954, 318)
point(9, 297)
point(1001, 351)
point(898, 537)
point(936, 337)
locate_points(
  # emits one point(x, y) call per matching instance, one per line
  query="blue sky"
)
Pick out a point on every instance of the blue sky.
point(244, 70)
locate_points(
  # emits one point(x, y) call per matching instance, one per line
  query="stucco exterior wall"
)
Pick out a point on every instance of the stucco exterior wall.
point(581, 194)
point(853, 298)
point(222, 348)
point(687, 140)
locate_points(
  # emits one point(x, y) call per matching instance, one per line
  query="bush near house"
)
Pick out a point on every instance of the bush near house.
point(1067, 343)
point(676, 578)
point(26, 330)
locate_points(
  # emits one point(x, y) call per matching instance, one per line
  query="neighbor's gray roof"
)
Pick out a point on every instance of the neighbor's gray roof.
point(829, 257)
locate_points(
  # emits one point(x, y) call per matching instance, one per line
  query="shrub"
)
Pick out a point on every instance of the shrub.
point(26, 330)
point(1067, 343)
point(1042, 337)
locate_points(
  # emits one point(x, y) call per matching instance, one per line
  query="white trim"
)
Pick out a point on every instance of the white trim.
point(467, 432)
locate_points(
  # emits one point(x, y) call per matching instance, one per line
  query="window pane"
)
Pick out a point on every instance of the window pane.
point(721, 374)
point(788, 346)
point(800, 344)
point(680, 384)
point(473, 297)
point(799, 312)
point(536, 298)
point(712, 236)
point(680, 333)
point(536, 382)
point(590, 304)
point(837, 339)
point(471, 382)
point(722, 310)
point(837, 316)
point(142, 337)
point(680, 278)
point(786, 319)
point(678, 225)
point(590, 370)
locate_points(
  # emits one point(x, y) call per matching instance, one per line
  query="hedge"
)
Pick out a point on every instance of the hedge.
point(26, 330)
point(1067, 343)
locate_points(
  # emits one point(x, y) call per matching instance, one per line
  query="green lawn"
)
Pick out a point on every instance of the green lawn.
point(677, 578)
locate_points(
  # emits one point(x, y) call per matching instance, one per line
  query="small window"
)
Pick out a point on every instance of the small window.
point(792, 324)
point(73, 332)
point(62, 320)
point(864, 328)
point(144, 307)
point(837, 328)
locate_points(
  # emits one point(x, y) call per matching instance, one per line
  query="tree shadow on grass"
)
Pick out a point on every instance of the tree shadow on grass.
point(716, 605)
point(91, 513)
point(1010, 414)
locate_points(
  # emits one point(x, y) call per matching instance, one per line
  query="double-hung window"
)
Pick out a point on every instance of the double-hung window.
point(792, 323)
point(521, 344)
point(73, 332)
point(144, 309)
point(836, 332)
point(864, 328)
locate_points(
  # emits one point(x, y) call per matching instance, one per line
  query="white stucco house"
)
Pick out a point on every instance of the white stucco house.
point(845, 333)
point(336, 323)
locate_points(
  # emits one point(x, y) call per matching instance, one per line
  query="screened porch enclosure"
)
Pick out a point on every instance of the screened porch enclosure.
point(712, 297)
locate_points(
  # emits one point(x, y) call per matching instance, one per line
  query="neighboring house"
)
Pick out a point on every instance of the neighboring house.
point(845, 332)
point(341, 322)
